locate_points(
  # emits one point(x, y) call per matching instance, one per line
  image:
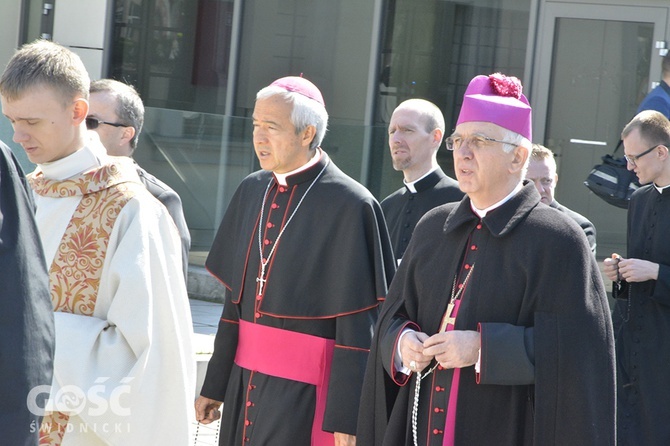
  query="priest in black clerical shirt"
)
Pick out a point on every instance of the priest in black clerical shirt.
point(641, 288)
point(416, 132)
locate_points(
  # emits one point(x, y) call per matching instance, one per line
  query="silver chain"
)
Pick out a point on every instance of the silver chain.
point(261, 279)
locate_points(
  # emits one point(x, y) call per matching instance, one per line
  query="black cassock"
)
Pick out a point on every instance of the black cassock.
point(26, 315)
point(403, 209)
point(642, 326)
point(536, 295)
point(328, 273)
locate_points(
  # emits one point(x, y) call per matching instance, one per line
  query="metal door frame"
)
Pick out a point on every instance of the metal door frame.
point(544, 49)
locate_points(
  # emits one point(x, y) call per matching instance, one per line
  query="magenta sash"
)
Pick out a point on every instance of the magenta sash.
point(290, 355)
point(450, 423)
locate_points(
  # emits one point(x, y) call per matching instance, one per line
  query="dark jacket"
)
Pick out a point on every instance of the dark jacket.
point(26, 316)
point(642, 326)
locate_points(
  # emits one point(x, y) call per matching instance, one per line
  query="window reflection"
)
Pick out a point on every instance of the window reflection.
point(175, 52)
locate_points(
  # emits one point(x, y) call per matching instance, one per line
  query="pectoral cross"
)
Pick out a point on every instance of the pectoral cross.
point(261, 278)
point(448, 317)
point(261, 282)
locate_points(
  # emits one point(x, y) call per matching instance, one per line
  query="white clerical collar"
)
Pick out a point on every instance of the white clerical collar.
point(281, 177)
point(80, 161)
point(661, 189)
point(482, 212)
point(411, 185)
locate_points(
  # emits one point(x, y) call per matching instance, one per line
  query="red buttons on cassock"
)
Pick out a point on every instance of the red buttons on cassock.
point(270, 225)
point(275, 206)
point(479, 226)
point(466, 266)
point(247, 423)
point(258, 315)
point(249, 404)
point(438, 410)
point(439, 367)
point(251, 387)
point(267, 242)
point(437, 432)
point(460, 285)
point(473, 248)
point(439, 389)
point(282, 189)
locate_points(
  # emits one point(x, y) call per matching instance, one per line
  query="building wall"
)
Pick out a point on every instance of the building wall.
point(426, 48)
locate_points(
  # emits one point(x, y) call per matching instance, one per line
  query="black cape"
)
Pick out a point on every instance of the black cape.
point(403, 209)
point(583, 222)
point(642, 326)
point(26, 315)
point(330, 270)
point(547, 370)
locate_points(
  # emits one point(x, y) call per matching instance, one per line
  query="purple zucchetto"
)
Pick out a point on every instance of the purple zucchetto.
point(497, 99)
point(300, 85)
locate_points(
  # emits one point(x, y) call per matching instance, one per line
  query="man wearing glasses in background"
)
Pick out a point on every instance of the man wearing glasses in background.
point(642, 288)
point(542, 172)
point(116, 114)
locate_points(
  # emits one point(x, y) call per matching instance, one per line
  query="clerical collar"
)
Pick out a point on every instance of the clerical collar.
point(481, 213)
point(661, 189)
point(412, 184)
point(281, 177)
point(79, 162)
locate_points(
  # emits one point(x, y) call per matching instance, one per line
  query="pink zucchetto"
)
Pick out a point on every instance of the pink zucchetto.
point(497, 99)
point(300, 85)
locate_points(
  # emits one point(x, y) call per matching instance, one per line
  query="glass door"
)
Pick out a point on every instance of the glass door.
point(595, 66)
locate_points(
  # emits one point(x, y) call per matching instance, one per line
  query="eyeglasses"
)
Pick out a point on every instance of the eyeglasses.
point(93, 123)
point(474, 141)
point(633, 158)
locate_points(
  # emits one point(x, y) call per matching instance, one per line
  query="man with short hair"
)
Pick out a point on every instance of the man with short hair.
point(416, 131)
point(116, 114)
point(124, 368)
point(304, 254)
point(26, 317)
point(496, 328)
point(641, 287)
point(542, 172)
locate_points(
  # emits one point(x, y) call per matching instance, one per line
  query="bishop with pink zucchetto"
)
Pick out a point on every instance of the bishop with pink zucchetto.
point(496, 329)
point(305, 257)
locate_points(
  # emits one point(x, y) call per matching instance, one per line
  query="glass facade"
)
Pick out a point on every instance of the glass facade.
point(198, 64)
point(431, 49)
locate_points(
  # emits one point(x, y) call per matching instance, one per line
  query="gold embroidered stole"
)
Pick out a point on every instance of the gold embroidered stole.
point(74, 276)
